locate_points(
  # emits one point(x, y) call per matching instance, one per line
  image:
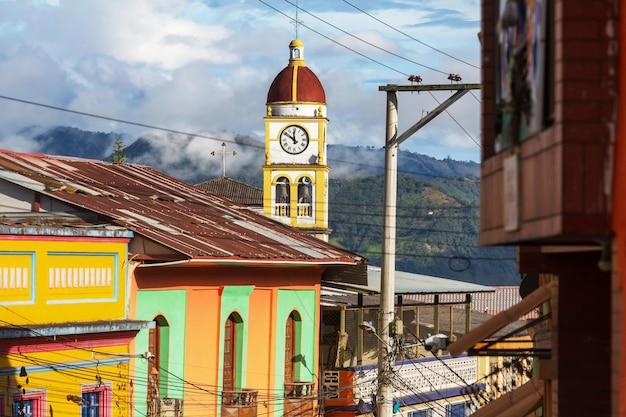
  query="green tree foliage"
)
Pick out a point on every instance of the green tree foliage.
point(437, 226)
point(119, 150)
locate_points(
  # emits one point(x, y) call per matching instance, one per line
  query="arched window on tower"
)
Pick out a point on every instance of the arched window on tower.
point(282, 198)
point(305, 201)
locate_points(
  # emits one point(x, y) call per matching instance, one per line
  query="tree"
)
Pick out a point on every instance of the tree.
point(118, 152)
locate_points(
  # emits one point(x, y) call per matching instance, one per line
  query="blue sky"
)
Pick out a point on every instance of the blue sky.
point(205, 66)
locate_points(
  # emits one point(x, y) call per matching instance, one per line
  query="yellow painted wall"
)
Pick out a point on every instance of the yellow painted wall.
point(46, 281)
point(74, 369)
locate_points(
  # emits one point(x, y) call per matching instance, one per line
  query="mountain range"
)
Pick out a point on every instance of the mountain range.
point(437, 207)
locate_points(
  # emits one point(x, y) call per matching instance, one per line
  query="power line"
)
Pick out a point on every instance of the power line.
point(113, 119)
point(379, 48)
point(188, 134)
point(367, 42)
point(409, 36)
point(336, 42)
point(456, 122)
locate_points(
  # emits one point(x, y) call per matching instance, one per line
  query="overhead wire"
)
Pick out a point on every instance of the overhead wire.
point(382, 49)
point(149, 126)
point(133, 123)
point(477, 99)
point(336, 42)
point(375, 46)
point(461, 382)
point(63, 367)
point(409, 36)
point(202, 136)
point(117, 120)
point(365, 41)
point(456, 121)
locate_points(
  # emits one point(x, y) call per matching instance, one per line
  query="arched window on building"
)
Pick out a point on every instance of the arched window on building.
point(292, 352)
point(231, 379)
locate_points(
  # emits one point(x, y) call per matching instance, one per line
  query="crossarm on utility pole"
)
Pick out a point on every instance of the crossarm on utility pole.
point(430, 116)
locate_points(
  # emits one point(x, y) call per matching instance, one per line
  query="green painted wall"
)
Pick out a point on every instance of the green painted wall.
point(305, 303)
point(171, 304)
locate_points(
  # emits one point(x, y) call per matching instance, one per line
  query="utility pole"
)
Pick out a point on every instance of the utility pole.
point(386, 313)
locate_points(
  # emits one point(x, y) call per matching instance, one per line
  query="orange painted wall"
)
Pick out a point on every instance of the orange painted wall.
point(262, 340)
point(203, 287)
point(202, 343)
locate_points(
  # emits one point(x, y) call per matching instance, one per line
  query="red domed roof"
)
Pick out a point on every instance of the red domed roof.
point(296, 83)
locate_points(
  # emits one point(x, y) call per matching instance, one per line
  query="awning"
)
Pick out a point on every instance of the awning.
point(500, 320)
point(517, 403)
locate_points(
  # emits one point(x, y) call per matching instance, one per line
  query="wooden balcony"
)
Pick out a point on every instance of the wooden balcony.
point(241, 403)
point(300, 399)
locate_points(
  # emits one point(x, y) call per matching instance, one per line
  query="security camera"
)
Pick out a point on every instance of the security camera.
point(148, 355)
point(436, 343)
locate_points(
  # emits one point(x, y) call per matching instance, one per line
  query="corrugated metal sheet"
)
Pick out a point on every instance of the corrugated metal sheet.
point(234, 190)
point(192, 222)
point(59, 224)
point(502, 299)
point(418, 287)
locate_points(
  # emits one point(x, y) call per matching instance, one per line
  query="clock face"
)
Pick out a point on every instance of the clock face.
point(294, 140)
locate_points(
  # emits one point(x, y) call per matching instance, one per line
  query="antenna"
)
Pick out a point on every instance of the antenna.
point(296, 21)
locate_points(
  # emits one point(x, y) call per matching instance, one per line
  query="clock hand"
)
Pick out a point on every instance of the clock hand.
point(292, 137)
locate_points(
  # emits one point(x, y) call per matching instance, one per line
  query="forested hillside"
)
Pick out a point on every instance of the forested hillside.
point(437, 228)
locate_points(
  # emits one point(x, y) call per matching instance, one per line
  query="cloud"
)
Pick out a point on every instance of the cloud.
point(206, 66)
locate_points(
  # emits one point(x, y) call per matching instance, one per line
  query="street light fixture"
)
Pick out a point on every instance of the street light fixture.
point(368, 327)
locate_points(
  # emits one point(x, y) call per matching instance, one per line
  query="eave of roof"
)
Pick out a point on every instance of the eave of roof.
point(407, 283)
point(250, 262)
point(52, 224)
point(70, 328)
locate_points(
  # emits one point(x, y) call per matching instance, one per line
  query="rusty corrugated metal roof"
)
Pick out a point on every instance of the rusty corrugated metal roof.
point(193, 223)
point(59, 224)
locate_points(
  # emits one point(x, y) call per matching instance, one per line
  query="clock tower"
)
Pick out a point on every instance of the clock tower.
point(295, 174)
